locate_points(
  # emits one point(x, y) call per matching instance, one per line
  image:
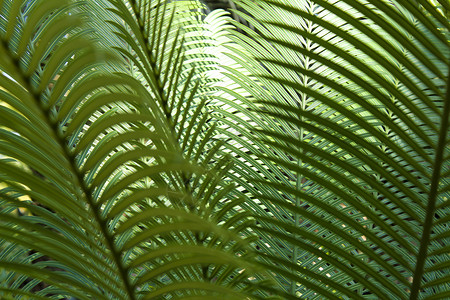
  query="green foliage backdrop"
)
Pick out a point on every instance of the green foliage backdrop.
point(150, 151)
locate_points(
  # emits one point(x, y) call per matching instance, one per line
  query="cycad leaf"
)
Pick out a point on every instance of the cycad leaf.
point(92, 149)
point(343, 150)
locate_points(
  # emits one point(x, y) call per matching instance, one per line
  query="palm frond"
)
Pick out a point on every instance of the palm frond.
point(92, 148)
point(351, 128)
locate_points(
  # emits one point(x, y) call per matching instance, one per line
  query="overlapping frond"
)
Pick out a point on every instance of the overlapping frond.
point(146, 153)
point(120, 206)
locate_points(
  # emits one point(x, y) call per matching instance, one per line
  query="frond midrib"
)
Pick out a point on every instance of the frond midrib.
point(432, 197)
point(71, 159)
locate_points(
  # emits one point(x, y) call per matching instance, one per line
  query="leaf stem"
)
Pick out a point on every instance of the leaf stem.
point(300, 178)
point(79, 176)
point(428, 224)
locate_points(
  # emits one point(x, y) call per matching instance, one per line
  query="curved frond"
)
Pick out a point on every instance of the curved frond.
point(106, 176)
point(341, 144)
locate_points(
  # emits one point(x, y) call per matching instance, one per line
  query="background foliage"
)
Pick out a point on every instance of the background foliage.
point(149, 150)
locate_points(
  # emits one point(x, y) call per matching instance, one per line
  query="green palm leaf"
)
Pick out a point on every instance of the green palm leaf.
point(351, 130)
point(103, 169)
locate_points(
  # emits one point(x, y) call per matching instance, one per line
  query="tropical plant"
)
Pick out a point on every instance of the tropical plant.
point(150, 151)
